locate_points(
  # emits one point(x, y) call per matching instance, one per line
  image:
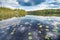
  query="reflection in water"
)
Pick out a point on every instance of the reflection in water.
point(30, 28)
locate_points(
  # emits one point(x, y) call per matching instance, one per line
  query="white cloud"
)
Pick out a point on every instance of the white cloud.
point(58, 0)
point(9, 3)
point(45, 5)
point(26, 0)
point(49, 1)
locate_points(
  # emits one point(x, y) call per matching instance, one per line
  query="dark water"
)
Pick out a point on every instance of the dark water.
point(30, 28)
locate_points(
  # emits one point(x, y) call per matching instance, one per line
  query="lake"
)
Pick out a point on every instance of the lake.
point(30, 28)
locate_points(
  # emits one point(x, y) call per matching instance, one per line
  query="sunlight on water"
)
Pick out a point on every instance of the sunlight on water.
point(32, 28)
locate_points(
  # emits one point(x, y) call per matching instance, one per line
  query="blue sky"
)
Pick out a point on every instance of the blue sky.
point(30, 5)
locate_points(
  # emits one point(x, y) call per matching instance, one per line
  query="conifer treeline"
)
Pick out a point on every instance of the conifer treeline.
point(47, 12)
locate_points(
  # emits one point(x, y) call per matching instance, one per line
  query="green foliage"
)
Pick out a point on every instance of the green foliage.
point(47, 12)
point(9, 13)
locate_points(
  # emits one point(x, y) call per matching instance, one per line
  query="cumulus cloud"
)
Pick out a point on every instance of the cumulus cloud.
point(47, 4)
point(8, 3)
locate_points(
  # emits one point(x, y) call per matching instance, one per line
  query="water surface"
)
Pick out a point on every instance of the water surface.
point(30, 28)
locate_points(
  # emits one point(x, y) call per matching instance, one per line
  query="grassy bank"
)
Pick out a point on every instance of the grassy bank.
point(9, 13)
point(6, 13)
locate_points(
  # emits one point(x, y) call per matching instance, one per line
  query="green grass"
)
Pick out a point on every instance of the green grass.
point(9, 13)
